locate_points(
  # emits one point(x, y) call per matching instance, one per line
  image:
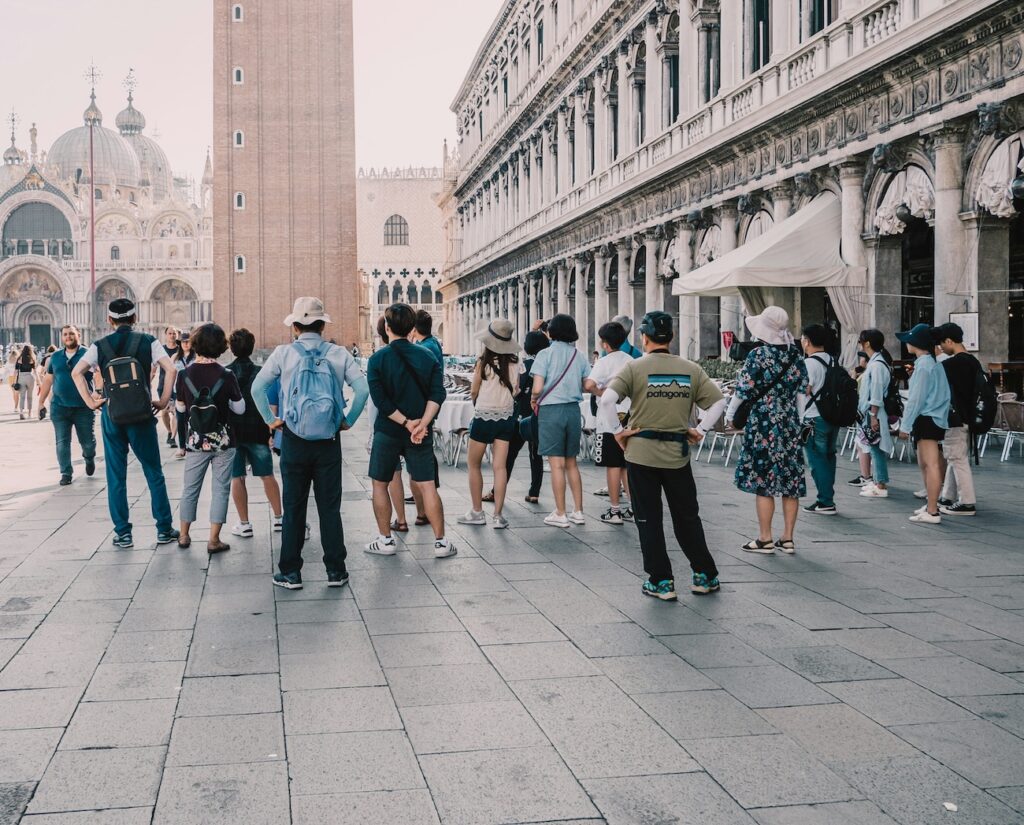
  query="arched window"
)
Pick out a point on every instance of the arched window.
point(131, 197)
point(396, 294)
point(239, 263)
point(426, 293)
point(382, 293)
point(238, 76)
point(396, 231)
point(54, 251)
point(411, 292)
point(239, 200)
point(437, 298)
point(115, 253)
point(239, 139)
point(237, 15)
point(38, 248)
point(98, 194)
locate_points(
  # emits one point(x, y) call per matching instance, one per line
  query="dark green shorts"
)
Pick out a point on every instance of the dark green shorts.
point(387, 450)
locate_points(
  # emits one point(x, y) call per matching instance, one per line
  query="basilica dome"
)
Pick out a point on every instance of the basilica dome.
point(155, 169)
point(115, 160)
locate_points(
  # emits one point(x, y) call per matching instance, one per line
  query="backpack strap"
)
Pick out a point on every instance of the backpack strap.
point(216, 387)
point(814, 398)
point(191, 387)
point(105, 347)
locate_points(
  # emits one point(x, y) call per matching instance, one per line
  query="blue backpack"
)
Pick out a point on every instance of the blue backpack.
point(311, 408)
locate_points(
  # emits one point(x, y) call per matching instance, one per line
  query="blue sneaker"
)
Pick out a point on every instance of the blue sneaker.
point(702, 584)
point(167, 536)
point(289, 581)
point(123, 541)
point(664, 590)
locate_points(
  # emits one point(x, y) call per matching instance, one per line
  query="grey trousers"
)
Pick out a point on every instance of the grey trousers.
point(195, 472)
point(28, 391)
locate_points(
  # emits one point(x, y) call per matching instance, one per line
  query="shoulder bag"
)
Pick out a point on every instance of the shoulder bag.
point(739, 420)
point(528, 424)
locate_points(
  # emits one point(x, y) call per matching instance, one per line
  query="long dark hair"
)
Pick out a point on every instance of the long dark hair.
point(27, 359)
point(499, 364)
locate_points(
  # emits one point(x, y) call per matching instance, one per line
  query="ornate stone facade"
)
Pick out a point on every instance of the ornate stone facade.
point(153, 241)
point(654, 137)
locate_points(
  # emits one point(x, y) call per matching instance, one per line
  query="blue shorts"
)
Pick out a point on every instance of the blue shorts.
point(484, 431)
point(559, 429)
point(256, 456)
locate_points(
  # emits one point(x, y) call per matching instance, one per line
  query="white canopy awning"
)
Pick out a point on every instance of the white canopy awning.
point(801, 251)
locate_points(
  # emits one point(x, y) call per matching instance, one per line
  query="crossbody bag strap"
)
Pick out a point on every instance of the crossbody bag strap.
point(777, 380)
point(415, 375)
point(551, 389)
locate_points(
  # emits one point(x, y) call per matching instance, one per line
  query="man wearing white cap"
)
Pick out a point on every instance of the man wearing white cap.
point(311, 414)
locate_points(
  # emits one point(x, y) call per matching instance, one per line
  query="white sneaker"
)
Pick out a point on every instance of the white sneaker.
point(925, 518)
point(576, 517)
point(921, 494)
point(382, 546)
point(278, 523)
point(473, 517)
point(601, 491)
point(243, 529)
point(553, 519)
point(443, 549)
point(307, 531)
point(872, 491)
point(499, 523)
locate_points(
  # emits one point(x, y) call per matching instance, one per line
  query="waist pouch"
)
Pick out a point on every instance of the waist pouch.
point(657, 435)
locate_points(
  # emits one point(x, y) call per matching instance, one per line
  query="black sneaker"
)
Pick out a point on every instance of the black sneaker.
point(167, 536)
point(123, 541)
point(335, 579)
point(820, 509)
point(170, 441)
point(946, 502)
point(859, 481)
point(90, 466)
point(65, 481)
point(958, 509)
point(289, 581)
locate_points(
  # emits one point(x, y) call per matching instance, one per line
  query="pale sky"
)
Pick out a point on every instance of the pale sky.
point(410, 58)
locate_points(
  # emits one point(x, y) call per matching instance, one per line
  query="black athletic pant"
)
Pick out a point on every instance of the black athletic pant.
point(646, 485)
point(515, 444)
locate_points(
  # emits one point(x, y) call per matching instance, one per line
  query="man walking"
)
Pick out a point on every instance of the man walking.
point(311, 416)
point(962, 370)
point(135, 354)
point(821, 446)
point(407, 389)
point(422, 334)
point(662, 389)
point(67, 409)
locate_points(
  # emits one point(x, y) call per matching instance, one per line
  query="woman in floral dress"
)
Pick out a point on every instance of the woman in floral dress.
point(771, 462)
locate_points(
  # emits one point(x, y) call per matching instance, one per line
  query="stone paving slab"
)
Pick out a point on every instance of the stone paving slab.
point(868, 679)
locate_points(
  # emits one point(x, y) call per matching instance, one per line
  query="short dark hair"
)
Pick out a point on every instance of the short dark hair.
point(818, 334)
point(382, 329)
point(316, 327)
point(209, 341)
point(563, 328)
point(121, 322)
point(535, 341)
point(874, 337)
point(613, 334)
point(424, 323)
point(401, 318)
point(954, 332)
point(242, 343)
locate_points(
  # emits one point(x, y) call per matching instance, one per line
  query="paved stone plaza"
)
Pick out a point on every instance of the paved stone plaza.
point(868, 680)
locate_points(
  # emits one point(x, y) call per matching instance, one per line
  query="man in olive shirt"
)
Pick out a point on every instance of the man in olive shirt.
point(663, 388)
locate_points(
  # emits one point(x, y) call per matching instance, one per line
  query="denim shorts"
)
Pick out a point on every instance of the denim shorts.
point(487, 432)
point(387, 450)
point(559, 428)
point(256, 456)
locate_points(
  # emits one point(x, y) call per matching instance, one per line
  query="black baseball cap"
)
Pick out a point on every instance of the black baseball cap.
point(120, 308)
point(657, 326)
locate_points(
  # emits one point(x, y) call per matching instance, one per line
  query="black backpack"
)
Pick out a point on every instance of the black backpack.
point(126, 383)
point(984, 404)
point(206, 431)
point(837, 399)
point(893, 401)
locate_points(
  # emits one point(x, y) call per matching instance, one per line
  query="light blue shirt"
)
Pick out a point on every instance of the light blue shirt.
point(874, 384)
point(549, 365)
point(929, 394)
point(283, 362)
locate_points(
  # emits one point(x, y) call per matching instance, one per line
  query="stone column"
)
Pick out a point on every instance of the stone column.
point(652, 286)
point(509, 313)
point(602, 261)
point(623, 249)
point(581, 162)
point(993, 281)
point(625, 100)
point(731, 306)
point(654, 77)
point(601, 118)
point(545, 294)
point(581, 263)
point(561, 148)
point(851, 179)
point(563, 285)
point(782, 200)
point(951, 289)
point(523, 312)
point(689, 317)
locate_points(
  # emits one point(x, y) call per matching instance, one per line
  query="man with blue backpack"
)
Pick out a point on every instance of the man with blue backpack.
point(310, 416)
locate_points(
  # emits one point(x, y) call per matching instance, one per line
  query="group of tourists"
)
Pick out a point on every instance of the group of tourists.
point(651, 408)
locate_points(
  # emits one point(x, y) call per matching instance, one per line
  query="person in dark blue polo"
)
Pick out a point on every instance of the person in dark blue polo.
point(67, 409)
point(141, 437)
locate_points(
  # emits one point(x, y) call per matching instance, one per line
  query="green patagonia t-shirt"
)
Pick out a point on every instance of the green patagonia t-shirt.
point(663, 389)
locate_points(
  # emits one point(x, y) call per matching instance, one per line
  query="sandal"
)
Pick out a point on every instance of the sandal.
point(758, 546)
point(400, 526)
point(421, 521)
point(532, 500)
point(217, 548)
point(184, 542)
point(488, 497)
point(786, 546)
